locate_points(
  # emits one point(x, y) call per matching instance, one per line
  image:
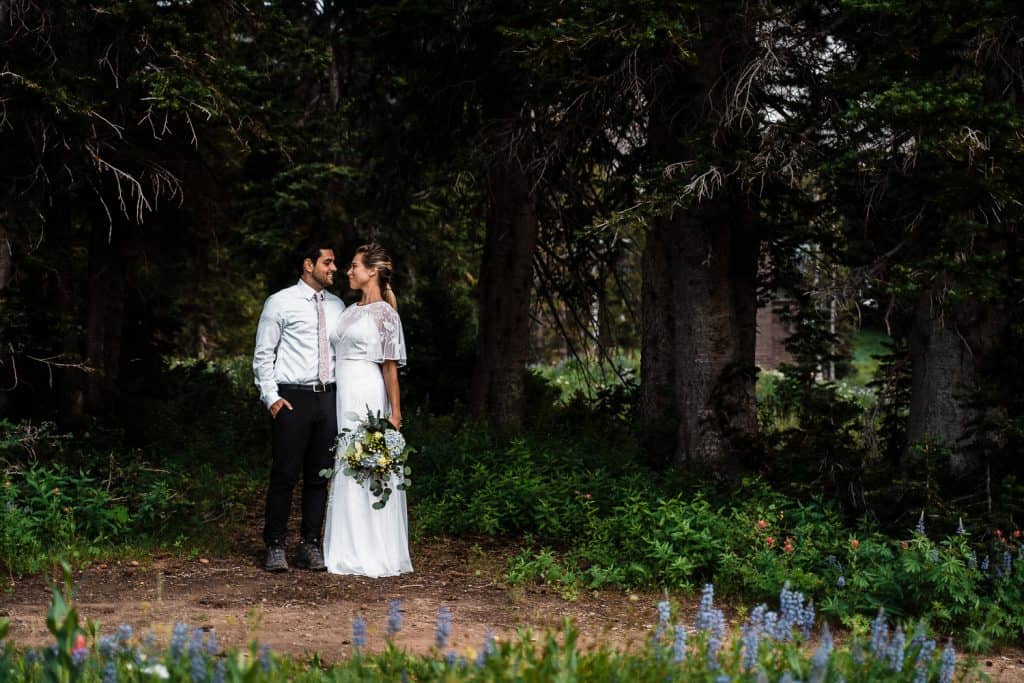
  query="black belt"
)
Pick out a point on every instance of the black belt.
point(317, 388)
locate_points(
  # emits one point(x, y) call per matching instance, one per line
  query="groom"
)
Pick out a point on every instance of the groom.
point(294, 368)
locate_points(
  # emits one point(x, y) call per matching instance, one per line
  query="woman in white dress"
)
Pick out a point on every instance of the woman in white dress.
point(370, 348)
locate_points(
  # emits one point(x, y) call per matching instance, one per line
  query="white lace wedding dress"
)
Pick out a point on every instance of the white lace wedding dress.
point(357, 538)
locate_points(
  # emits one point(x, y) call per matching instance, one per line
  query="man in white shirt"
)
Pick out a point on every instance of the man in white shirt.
point(294, 368)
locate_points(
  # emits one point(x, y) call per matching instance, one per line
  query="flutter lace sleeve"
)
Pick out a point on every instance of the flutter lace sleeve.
point(392, 340)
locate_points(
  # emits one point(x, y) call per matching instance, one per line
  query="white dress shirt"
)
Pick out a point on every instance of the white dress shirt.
point(286, 339)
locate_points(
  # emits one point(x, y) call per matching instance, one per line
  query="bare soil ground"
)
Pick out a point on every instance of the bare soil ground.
point(300, 612)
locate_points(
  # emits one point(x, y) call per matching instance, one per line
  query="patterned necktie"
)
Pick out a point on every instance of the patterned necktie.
point(321, 333)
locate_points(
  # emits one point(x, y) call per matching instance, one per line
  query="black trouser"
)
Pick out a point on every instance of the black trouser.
point(303, 442)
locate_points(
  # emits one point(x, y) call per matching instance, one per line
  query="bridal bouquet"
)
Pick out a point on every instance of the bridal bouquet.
point(372, 451)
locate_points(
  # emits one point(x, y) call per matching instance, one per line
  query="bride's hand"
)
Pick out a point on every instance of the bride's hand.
point(396, 420)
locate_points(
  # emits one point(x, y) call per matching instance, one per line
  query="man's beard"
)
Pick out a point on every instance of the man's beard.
point(324, 282)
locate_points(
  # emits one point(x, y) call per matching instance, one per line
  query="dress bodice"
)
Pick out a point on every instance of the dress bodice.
point(371, 332)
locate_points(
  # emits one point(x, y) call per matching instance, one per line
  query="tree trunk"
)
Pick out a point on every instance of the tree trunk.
point(714, 275)
point(944, 372)
point(104, 317)
point(506, 278)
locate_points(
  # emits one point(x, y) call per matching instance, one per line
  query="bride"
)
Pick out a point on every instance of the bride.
point(370, 348)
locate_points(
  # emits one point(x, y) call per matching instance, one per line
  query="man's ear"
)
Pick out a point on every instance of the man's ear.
point(308, 266)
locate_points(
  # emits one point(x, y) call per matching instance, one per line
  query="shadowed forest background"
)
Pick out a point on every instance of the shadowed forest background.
point(587, 205)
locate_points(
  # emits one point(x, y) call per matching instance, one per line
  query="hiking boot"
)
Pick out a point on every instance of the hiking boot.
point(275, 559)
point(310, 557)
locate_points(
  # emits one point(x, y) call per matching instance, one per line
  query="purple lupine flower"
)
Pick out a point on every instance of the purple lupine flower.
point(664, 614)
point(714, 645)
point(266, 660)
point(984, 564)
point(806, 621)
point(220, 672)
point(819, 661)
point(972, 561)
point(450, 658)
point(196, 643)
point(394, 617)
point(178, 636)
point(110, 673)
point(947, 666)
point(723, 678)
point(679, 645)
point(751, 643)
point(107, 646)
point(488, 648)
point(924, 657)
point(212, 644)
point(1007, 564)
point(705, 612)
point(879, 634)
point(841, 582)
point(960, 530)
point(359, 633)
point(197, 665)
point(894, 653)
point(31, 657)
point(79, 656)
point(920, 524)
point(443, 627)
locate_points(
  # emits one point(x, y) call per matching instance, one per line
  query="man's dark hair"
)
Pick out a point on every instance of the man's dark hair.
point(310, 249)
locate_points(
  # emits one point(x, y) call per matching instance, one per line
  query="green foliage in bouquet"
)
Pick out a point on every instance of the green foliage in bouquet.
point(373, 451)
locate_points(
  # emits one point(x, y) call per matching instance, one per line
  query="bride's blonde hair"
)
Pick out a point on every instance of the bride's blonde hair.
point(377, 257)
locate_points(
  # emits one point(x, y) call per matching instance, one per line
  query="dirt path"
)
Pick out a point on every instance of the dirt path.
point(300, 612)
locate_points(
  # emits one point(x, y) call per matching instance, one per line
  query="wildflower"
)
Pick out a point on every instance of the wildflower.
point(358, 633)
point(394, 617)
point(919, 528)
point(819, 661)
point(80, 650)
point(178, 636)
point(1007, 563)
point(999, 533)
point(1016, 533)
point(960, 530)
point(905, 545)
point(924, 657)
point(212, 645)
point(762, 525)
point(984, 564)
point(834, 563)
point(266, 661)
point(488, 648)
point(947, 666)
point(450, 657)
point(587, 496)
point(679, 644)
point(972, 561)
point(107, 646)
point(894, 653)
point(854, 543)
point(197, 665)
point(841, 582)
point(664, 614)
point(110, 673)
point(879, 634)
point(751, 643)
point(56, 490)
point(443, 628)
point(220, 672)
point(157, 670)
point(123, 637)
point(789, 545)
point(769, 541)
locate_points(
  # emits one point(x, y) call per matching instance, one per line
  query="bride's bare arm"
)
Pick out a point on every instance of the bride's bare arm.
point(390, 370)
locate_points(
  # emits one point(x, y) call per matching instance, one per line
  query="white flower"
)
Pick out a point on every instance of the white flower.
point(395, 442)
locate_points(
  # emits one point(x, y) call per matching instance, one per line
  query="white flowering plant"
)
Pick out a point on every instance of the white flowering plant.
point(373, 451)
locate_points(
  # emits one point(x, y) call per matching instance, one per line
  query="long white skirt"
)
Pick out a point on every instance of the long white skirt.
point(358, 539)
